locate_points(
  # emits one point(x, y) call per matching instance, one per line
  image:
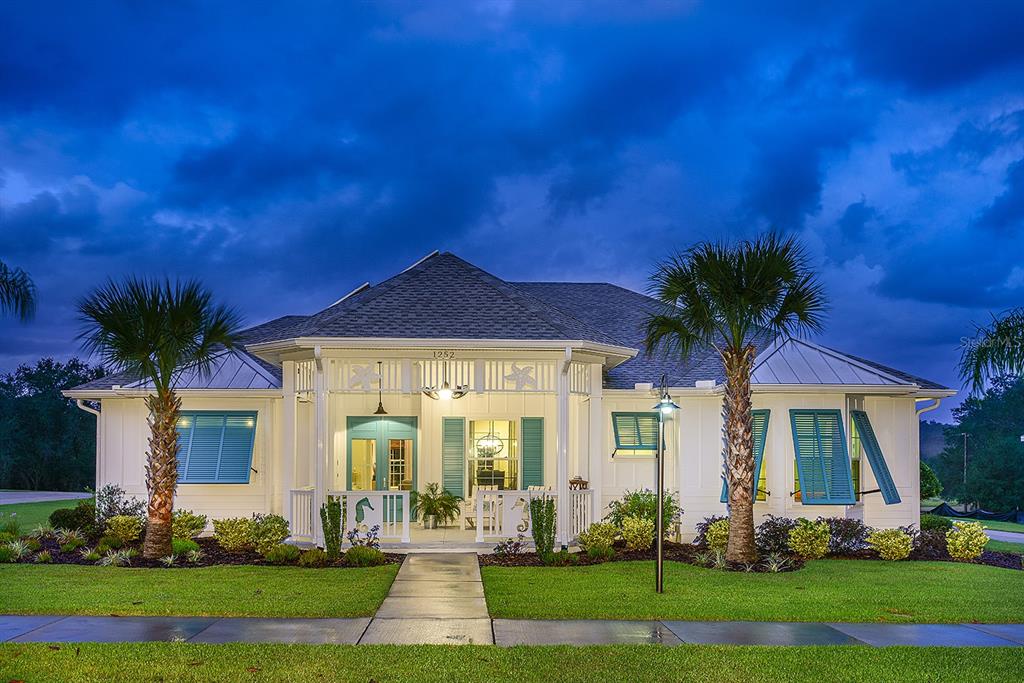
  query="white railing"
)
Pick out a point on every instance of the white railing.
point(506, 514)
point(301, 521)
point(364, 510)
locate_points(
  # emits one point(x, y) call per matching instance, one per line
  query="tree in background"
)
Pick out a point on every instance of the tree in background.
point(995, 470)
point(731, 298)
point(17, 292)
point(152, 330)
point(931, 487)
point(996, 350)
point(46, 442)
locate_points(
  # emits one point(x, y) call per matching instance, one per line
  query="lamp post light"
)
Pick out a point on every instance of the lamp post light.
point(665, 407)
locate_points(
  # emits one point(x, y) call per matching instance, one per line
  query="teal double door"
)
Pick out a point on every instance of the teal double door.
point(381, 453)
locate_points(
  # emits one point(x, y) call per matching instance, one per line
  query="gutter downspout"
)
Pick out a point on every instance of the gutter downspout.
point(99, 436)
point(929, 408)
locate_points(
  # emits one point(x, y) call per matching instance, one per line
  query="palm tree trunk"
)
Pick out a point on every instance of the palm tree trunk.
point(161, 472)
point(739, 440)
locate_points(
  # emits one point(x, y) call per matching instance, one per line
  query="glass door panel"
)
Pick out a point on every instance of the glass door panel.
point(363, 457)
point(399, 464)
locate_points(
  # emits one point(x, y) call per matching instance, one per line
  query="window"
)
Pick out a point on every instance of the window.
point(493, 455)
point(215, 447)
point(635, 433)
point(855, 403)
point(822, 461)
point(759, 429)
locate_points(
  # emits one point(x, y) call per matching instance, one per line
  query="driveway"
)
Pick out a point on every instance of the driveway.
point(1008, 536)
point(8, 497)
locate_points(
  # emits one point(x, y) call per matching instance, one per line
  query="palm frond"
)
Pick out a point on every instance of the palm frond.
point(996, 349)
point(17, 292)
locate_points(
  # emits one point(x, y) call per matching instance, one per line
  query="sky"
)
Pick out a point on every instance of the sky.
point(284, 153)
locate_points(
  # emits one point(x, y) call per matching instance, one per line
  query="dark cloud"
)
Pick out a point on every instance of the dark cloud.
point(1006, 213)
point(854, 218)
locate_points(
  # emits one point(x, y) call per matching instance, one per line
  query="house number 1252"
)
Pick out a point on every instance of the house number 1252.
point(444, 355)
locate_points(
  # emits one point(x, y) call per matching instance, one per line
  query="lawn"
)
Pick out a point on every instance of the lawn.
point(999, 526)
point(187, 662)
point(31, 514)
point(1006, 547)
point(824, 590)
point(206, 591)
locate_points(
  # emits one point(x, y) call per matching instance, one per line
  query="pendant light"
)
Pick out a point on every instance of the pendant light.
point(380, 391)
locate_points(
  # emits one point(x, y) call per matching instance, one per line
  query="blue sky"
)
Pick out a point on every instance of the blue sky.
point(286, 154)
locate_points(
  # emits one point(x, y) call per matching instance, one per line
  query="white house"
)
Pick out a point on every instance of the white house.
point(506, 390)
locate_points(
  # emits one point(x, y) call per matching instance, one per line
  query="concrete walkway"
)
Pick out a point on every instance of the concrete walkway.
point(503, 632)
point(1008, 536)
point(11, 497)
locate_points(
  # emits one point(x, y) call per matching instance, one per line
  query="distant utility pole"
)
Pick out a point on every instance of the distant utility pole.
point(966, 503)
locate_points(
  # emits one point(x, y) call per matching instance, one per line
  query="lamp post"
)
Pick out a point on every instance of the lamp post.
point(665, 407)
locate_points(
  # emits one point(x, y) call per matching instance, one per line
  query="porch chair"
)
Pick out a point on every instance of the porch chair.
point(469, 505)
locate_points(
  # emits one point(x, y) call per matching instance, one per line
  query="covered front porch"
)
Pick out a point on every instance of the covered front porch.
point(370, 431)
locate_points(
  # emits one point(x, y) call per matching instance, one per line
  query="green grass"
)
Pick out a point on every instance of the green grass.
point(1002, 526)
point(207, 591)
point(1006, 547)
point(187, 662)
point(31, 514)
point(824, 590)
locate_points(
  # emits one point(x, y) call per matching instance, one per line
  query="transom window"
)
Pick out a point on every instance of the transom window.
point(493, 455)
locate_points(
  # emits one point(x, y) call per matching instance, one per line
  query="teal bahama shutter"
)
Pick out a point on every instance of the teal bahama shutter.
point(453, 454)
point(635, 431)
point(533, 451)
point(215, 447)
point(759, 427)
point(874, 452)
point(822, 461)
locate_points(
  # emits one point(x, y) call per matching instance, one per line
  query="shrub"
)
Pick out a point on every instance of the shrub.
point(935, 523)
point(966, 541)
point(931, 545)
point(364, 556)
point(169, 560)
point(92, 556)
point(116, 558)
point(43, 558)
point(234, 534)
point(890, 544)
point(268, 531)
point(314, 557)
point(717, 535)
point(111, 501)
point(82, 517)
point(125, 527)
point(702, 529)
point(194, 556)
point(42, 530)
point(110, 542)
point(510, 547)
point(809, 539)
point(772, 535)
point(7, 537)
point(7, 555)
point(33, 544)
point(371, 540)
point(19, 548)
point(183, 546)
point(283, 554)
point(9, 524)
point(644, 504)
point(330, 517)
point(187, 524)
point(563, 558)
point(599, 534)
point(638, 533)
point(931, 487)
point(775, 562)
point(542, 524)
point(845, 535)
point(71, 545)
point(600, 553)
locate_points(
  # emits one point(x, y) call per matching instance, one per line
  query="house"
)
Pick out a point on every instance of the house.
point(503, 391)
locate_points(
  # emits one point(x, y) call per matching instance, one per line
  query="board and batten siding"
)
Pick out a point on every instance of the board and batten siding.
point(123, 459)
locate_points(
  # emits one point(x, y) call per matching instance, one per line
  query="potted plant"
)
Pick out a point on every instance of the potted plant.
point(436, 506)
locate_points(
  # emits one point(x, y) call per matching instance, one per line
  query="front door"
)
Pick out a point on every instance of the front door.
point(381, 453)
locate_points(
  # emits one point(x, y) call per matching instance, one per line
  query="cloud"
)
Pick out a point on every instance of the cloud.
point(1006, 213)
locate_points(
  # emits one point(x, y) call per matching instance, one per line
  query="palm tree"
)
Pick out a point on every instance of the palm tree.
point(152, 330)
point(17, 292)
point(996, 349)
point(734, 298)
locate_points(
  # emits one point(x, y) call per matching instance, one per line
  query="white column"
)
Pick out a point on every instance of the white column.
point(596, 440)
point(288, 435)
point(562, 453)
point(320, 386)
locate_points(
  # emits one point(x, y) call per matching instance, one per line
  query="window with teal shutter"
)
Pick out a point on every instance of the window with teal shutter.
point(215, 447)
point(822, 461)
point(635, 433)
point(453, 454)
point(533, 451)
point(759, 428)
point(886, 485)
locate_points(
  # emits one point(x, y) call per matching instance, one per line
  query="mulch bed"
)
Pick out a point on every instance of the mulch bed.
point(212, 554)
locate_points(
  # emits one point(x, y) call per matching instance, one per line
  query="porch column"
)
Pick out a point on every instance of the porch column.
point(320, 456)
point(597, 433)
point(288, 436)
point(562, 453)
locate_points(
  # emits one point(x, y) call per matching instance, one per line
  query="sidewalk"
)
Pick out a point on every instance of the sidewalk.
point(438, 598)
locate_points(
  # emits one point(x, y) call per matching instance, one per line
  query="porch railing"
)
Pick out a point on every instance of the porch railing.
point(506, 514)
point(388, 510)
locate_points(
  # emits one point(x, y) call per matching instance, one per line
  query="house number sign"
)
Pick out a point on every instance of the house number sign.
point(444, 355)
